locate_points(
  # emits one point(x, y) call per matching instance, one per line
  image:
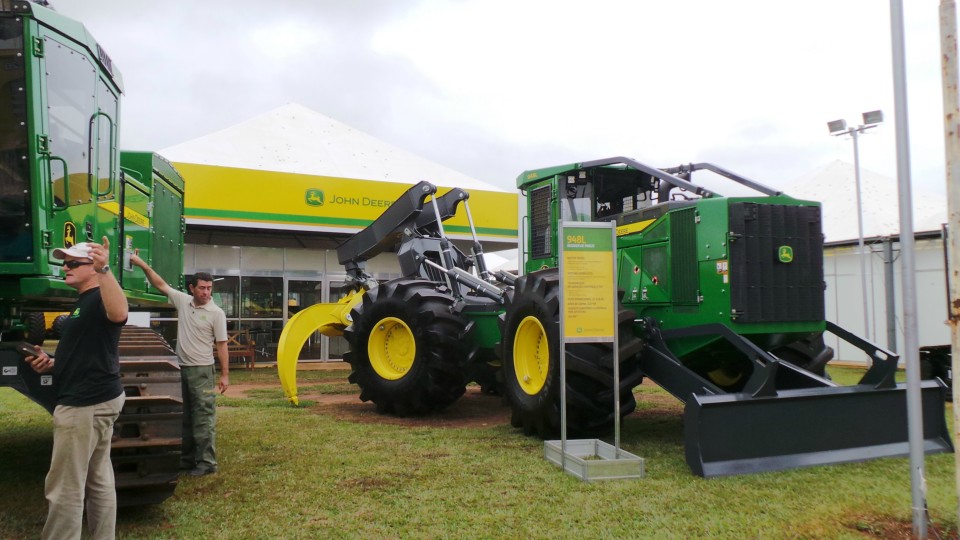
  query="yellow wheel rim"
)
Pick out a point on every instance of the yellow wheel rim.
point(723, 377)
point(391, 348)
point(531, 355)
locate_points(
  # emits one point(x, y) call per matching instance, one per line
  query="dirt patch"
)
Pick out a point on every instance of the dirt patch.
point(243, 390)
point(895, 529)
point(473, 409)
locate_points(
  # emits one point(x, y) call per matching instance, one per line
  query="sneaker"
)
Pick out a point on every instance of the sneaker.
point(197, 471)
point(184, 466)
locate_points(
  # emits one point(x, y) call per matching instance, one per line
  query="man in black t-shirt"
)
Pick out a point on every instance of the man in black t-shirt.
point(86, 372)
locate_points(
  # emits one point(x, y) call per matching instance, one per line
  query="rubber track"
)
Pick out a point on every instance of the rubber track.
point(147, 436)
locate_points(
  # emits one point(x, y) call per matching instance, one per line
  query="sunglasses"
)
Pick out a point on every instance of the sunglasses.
point(75, 264)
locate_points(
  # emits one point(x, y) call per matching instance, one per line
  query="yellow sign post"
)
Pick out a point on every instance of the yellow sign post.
point(588, 285)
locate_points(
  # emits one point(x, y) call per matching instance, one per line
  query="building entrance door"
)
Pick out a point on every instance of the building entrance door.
point(303, 293)
point(336, 345)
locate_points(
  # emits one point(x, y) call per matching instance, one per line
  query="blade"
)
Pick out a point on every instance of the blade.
point(738, 434)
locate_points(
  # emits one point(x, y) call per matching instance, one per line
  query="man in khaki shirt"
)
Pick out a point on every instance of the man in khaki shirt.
point(200, 324)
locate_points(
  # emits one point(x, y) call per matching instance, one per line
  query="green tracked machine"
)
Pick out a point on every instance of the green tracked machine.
point(721, 304)
point(63, 181)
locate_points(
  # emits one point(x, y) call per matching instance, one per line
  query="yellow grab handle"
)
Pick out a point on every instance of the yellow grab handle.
point(329, 319)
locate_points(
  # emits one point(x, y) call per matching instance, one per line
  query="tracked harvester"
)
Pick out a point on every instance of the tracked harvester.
point(721, 304)
point(63, 181)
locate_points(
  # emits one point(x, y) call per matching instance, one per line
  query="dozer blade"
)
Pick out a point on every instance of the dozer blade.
point(738, 433)
point(328, 319)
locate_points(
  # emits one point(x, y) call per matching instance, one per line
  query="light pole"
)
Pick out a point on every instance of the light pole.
point(871, 119)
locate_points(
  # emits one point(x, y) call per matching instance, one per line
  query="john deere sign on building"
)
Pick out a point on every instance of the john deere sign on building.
point(226, 196)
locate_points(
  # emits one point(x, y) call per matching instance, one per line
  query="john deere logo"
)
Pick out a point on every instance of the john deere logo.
point(314, 197)
point(785, 254)
point(69, 234)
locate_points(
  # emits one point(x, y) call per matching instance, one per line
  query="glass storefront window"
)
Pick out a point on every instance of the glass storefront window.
point(265, 335)
point(226, 294)
point(262, 297)
point(338, 345)
point(302, 294)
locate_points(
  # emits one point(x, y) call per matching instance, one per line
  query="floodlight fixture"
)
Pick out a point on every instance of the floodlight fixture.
point(837, 127)
point(872, 118)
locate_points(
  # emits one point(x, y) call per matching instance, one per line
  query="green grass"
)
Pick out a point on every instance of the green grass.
point(301, 473)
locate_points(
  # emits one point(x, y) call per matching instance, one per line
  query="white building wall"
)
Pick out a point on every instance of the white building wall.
point(844, 298)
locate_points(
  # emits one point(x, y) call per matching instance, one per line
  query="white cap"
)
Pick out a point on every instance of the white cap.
point(81, 250)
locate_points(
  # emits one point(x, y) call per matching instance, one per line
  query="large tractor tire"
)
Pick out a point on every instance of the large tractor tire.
point(36, 328)
point(408, 349)
point(729, 369)
point(57, 329)
point(811, 354)
point(530, 352)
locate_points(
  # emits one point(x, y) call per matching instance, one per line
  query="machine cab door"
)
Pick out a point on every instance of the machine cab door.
point(82, 162)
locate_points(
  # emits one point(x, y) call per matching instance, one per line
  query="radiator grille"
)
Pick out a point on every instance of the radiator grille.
point(683, 239)
point(540, 226)
point(764, 286)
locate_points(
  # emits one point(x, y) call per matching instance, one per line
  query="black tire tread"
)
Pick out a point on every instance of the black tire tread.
point(436, 378)
point(590, 408)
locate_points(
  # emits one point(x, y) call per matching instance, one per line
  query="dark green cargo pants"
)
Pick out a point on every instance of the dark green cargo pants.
point(199, 417)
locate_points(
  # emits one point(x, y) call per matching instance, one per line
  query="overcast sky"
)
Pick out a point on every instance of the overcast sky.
point(494, 87)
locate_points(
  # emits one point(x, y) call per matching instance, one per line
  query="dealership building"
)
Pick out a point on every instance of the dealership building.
point(268, 201)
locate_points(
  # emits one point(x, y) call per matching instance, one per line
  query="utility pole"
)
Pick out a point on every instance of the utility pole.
point(951, 139)
point(911, 329)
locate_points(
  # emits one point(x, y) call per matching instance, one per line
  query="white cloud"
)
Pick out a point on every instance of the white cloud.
point(492, 87)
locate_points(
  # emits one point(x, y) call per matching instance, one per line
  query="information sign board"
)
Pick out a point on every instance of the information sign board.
point(587, 282)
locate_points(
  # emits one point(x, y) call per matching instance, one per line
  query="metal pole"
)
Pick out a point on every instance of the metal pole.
point(563, 356)
point(616, 349)
point(889, 286)
point(855, 133)
point(951, 138)
point(908, 275)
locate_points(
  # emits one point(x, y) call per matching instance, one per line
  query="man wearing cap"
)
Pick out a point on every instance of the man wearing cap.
point(86, 372)
point(200, 325)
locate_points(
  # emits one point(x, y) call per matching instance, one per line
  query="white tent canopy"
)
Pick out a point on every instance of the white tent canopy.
point(507, 260)
point(834, 185)
point(295, 139)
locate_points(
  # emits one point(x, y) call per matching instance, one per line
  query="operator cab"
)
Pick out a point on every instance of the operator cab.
point(620, 194)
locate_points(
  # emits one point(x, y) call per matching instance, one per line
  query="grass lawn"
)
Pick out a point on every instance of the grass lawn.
point(311, 472)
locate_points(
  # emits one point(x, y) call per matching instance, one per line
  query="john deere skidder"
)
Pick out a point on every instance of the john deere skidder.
point(721, 304)
point(63, 181)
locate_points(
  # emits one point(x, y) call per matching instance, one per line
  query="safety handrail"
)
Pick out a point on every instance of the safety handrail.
point(66, 183)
